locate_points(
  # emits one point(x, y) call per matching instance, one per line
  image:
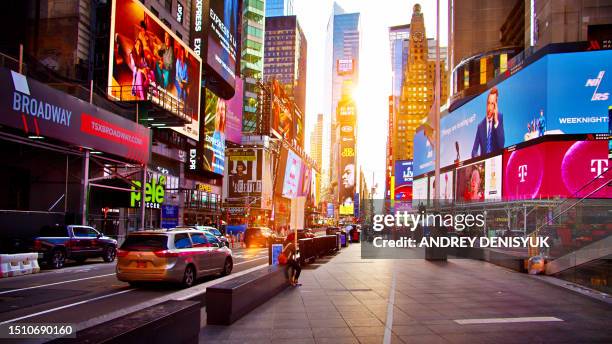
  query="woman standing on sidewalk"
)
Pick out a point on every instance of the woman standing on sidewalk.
point(290, 252)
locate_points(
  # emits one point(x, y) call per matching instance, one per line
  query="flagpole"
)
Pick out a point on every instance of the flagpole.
point(437, 110)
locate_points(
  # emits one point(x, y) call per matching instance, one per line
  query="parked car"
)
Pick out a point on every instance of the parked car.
point(60, 242)
point(177, 255)
point(258, 236)
point(214, 231)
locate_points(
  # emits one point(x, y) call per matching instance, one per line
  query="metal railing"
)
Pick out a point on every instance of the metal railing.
point(155, 95)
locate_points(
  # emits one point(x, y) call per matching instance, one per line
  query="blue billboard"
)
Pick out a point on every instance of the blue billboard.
point(403, 173)
point(559, 94)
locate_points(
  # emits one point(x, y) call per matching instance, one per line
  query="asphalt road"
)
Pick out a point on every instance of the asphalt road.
point(78, 293)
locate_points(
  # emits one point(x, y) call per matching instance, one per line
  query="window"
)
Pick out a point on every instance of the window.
point(54, 231)
point(198, 239)
point(145, 243)
point(182, 241)
point(87, 232)
point(211, 238)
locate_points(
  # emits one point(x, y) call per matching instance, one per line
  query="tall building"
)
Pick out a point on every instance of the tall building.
point(279, 8)
point(285, 52)
point(316, 146)
point(398, 41)
point(417, 94)
point(342, 64)
point(251, 63)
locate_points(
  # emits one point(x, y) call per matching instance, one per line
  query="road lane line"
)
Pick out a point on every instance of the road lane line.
point(252, 260)
point(66, 306)
point(390, 306)
point(505, 320)
point(56, 283)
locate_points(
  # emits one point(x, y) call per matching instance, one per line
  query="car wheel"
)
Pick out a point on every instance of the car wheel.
point(189, 276)
point(227, 267)
point(58, 258)
point(109, 254)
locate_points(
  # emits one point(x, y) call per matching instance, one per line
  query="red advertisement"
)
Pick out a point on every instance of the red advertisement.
point(565, 169)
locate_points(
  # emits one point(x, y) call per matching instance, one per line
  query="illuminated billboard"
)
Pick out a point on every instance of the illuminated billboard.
point(447, 187)
point(291, 181)
point(419, 192)
point(563, 169)
point(223, 38)
point(403, 179)
point(244, 173)
point(347, 173)
point(566, 93)
point(149, 62)
point(233, 130)
point(213, 127)
point(493, 178)
point(471, 183)
point(281, 117)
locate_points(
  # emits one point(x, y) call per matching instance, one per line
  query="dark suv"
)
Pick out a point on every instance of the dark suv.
point(60, 242)
point(258, 236)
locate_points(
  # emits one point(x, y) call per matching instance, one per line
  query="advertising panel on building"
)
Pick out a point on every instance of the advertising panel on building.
point(245, 173)
point(471, 183)
point(566, 169)
point(44, 111)
point(493, 178)
point(446, 190)
point(223, 38)
point(403, 179)
point(233, 130)
point(213, 129)
point(281, 117)
point(291, 180)
point(565, 93)
point(423, 161)
point(149, 62)
point(347, 175)
point(419, 192)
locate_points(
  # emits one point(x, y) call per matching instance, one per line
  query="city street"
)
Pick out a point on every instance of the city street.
point(346, 299)
point(78, 293)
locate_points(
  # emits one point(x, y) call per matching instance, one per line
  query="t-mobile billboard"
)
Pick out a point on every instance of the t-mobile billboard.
point(556, 169)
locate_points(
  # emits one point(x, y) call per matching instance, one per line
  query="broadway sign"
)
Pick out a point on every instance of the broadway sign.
point(43, 111)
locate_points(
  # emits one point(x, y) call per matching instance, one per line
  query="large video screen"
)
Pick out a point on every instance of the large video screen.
point(293, 170)
point(556, 169)
point(245, 173)
point(471, 183)
point(148, 61)
point(493, 178)
point(223, 38)
point(347, 174)
point(446, 190)
point(281, 117)
point(233, 131)
point(419, 192)
point(403, 179)
point(213, 152)
point(565, 93)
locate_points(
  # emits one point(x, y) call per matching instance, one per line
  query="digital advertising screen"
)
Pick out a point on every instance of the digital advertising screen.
point(471, 183)
point(223, 38)
point(244, 169)
point(214, 124)
point(419, 192)
point(233, 130)
point(148, 61)
point(347, 175)
point(291, 181)
point(403, 179)
point(281, 117)
point(305, 180)
point(493, 178)
point(556, 169)
point(447, 187)
point(567, 93)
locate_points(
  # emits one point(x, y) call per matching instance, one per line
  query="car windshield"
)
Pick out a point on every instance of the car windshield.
point(145, 243)
point(214, 231)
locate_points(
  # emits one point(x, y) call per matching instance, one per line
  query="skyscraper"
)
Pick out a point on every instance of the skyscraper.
point(417, 94)
point(398, 40)
point(251, 64)
point(285, 60)
point(342, 62)
point(316, 140)
point(278, 8)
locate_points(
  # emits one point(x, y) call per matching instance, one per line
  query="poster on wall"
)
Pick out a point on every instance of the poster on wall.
point(149, 62)
point(493, 178)
point(471, 183)
point(244, 173)
point(214, 124)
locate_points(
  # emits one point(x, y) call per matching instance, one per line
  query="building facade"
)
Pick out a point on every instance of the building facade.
point(251, 65)
point(279, 8)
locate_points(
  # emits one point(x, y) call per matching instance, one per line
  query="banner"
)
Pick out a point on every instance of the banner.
point(245, 173)
point(213, 127)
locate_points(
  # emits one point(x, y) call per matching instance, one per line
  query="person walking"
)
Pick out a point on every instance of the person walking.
point(290, 253)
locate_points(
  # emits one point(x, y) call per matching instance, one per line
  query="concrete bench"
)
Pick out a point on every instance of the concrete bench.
point(168, 322)
point(228, 301)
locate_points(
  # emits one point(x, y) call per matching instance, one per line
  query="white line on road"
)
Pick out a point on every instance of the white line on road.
point(252, 260)
point(66, 306)
point(390, 305)
point(56, 283)
point(505, 320)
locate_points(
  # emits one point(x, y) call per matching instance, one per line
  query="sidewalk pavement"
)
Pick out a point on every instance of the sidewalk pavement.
point(345, 299)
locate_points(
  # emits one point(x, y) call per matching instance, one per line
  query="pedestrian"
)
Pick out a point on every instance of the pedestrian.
point(290, 253)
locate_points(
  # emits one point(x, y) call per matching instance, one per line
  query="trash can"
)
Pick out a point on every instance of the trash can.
point(436, 253)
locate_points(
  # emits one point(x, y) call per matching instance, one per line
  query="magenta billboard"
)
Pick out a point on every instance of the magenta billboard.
point(233, 129)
